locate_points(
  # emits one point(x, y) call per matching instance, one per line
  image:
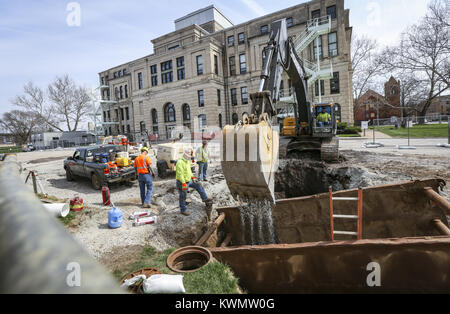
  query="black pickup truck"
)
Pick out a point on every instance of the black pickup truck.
point(83, 164)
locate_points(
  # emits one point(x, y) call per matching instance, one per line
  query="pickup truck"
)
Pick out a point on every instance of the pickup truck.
point(82, 164)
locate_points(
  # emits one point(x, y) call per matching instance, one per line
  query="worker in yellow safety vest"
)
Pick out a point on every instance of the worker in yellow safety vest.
point(323, 118)
point(143, 168)
point(186, 179)
point(202, 157)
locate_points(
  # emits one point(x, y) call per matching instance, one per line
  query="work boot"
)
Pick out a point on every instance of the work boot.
point(146, 206)
point(206, 180)
point(186, 213)
point(208, 202)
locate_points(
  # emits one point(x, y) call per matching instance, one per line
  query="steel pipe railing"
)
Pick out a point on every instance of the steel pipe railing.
point(37, 255)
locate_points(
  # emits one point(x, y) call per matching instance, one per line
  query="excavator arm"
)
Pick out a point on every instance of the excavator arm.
point(250, 148)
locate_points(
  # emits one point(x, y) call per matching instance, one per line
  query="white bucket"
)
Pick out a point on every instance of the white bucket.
point(58, 210)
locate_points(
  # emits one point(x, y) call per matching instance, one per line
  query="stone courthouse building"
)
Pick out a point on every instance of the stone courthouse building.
point(207, 67)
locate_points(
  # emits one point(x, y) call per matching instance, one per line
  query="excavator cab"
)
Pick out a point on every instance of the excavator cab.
point(324, 120)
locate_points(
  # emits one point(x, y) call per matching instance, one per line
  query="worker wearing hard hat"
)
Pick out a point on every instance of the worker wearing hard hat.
point(186, 179)
point(324, 118)
point(202, 156)
point(142, 164)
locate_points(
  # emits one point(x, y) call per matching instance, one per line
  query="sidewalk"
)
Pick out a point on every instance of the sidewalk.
point(378, 135)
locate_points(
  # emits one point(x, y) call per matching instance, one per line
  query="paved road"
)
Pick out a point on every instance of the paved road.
point(423, 146)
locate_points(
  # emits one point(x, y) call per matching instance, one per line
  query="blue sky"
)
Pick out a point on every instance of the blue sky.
point(37, 44)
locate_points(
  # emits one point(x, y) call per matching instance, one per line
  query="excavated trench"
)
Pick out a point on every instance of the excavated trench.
point(298, 178)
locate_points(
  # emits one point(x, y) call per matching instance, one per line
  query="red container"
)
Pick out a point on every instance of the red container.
point(76, 204)
point(106, 196)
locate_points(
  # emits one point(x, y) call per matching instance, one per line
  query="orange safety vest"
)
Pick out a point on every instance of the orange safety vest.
point(142, 163)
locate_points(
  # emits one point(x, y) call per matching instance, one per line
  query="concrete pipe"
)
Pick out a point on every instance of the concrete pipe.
point(58, 209)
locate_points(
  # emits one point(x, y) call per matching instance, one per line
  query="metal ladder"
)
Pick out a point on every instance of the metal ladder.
point(358, 217)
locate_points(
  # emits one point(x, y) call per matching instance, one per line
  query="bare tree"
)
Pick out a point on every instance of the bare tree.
point(424, 51)
point(366, 66)
point(20, 124)
point(34, 101)
point(69, 101)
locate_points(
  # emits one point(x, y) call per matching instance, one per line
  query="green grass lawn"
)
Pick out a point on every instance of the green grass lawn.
point(214, 278)
point(10, 150)
point(349, 135)
point(418, 131)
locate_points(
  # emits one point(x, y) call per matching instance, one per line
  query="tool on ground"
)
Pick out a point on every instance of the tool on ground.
point(145, 221)
point(36, 182)
point(250, 148)
point(357, 217)
point(136, 215)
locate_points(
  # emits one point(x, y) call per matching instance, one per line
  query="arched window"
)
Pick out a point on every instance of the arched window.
point(337, 109)
point(116, 93)
point(169, 112)
point(186, 112)
point(235, 118)
point(220, 120)
point(154, 116)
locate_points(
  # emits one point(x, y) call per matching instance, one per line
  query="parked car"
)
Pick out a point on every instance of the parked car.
point(84, 163)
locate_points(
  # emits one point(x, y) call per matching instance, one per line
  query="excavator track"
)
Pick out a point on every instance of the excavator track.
point(327, 148)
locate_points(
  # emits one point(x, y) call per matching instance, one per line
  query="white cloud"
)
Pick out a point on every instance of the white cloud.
point(255, 7)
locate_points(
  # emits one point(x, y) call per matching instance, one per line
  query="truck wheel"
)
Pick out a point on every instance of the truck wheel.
point(162, 169)
point(69, 175)
point(95, 180)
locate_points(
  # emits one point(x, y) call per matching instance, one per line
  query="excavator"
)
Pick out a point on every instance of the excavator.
point(251, 148)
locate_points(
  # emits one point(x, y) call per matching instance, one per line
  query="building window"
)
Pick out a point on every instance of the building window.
point(180, 69)
point(337, 109)
point(169, 113)
point(127, 113)
point(264, 57)
point(142, 127)
point(155, 130)
point(244, 95)
point(154, 116)
point(331, 11)
point(243, 63)
point(186, 112)
point(174, 47)
point(220, 120)
point(166, 72)
point(235, 118)
point(104, 115)
point(289, 22)
point(202, 119)
point(264, 29)
point(234, 101)
point(122, 116)
point(201, 98)
point(140, 82)
point(128, 129)
point(216, 65)
point(154, 72)
point(334, 83)
point(116, 93)
point(232, 66)
point(126, 91)
point(109, 114)
point(199, 65)
point(219, 102)
point(315, 14)
point(241, 38)
point(124, 71)
point(322, 87)
point(231, 41)
point(318, 40)
point(121, 92)
point(332, 44)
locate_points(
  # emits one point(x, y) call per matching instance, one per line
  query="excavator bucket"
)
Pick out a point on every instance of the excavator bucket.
point(250, 160)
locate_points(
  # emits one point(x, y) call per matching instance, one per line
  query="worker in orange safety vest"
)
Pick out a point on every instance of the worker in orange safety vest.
point(142, 165)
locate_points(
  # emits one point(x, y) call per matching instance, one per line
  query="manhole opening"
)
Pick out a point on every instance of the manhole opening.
point(188, 259)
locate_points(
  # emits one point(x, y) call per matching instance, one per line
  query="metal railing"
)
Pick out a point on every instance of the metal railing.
point(37, 255)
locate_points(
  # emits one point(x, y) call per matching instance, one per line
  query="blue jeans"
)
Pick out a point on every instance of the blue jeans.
point(146, 180)
point(197, 186)
point(202, 168)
